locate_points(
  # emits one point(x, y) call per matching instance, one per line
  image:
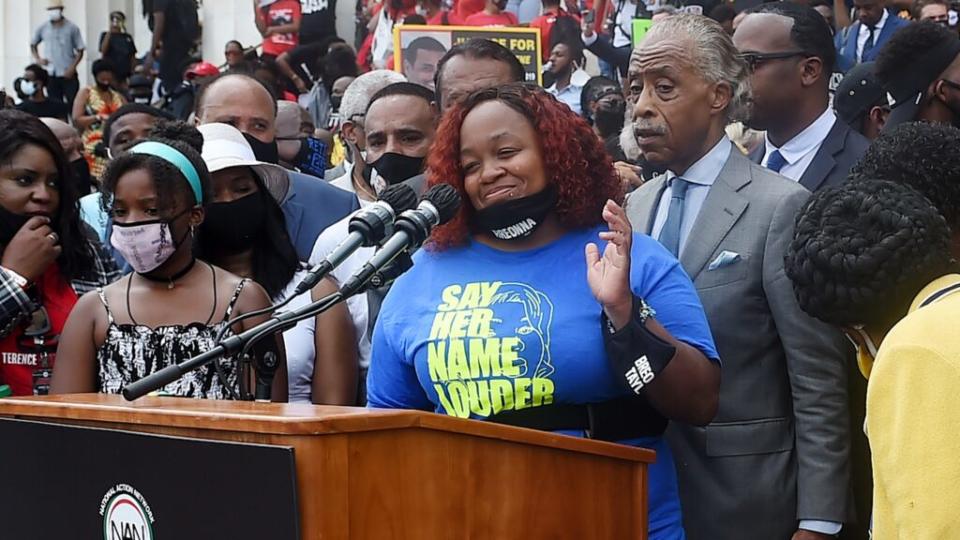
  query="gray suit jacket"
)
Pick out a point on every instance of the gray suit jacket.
point(778, 449)
point(840, 151)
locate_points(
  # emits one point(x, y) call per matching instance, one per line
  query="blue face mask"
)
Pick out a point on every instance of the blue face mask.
point(312, 157)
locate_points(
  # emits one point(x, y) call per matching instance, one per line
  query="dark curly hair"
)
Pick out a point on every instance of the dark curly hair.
point(173, 189)
point(908, 45)
point(576, 163)
point(861, 252)
point(19, 129)
point(922, 155)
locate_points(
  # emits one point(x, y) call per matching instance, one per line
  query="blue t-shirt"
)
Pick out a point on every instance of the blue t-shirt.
point(474, 331)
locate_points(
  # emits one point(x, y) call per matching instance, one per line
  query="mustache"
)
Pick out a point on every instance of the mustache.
point(647, 128)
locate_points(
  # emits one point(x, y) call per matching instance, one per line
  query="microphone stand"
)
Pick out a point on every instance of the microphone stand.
point(232, 345)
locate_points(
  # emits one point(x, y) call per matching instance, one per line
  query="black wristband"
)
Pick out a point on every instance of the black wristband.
point(636, 354)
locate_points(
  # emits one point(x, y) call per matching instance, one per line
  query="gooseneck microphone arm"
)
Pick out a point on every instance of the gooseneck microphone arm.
point(438, 206)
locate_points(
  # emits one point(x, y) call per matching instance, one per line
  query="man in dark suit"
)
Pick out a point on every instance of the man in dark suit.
point(862, 40)
point(773, 465)
point(311, 204)
point(788, 48)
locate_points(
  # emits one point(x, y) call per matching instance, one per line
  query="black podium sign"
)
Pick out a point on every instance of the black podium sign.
point(61, 481)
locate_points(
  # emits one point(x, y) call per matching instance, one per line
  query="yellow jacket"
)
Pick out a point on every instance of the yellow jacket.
point(913, 421)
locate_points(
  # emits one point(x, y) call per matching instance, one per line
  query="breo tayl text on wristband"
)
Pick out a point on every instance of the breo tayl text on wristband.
point(636, 354)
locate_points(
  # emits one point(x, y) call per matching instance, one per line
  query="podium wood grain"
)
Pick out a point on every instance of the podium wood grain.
point(393, 474)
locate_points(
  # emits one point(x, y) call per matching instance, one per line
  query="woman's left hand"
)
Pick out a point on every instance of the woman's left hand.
point(609, 275)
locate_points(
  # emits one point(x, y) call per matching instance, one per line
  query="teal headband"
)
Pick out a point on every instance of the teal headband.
point(176, 158)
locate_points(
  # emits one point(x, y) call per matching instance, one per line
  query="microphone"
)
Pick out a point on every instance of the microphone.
point(438, 206)
point(367, 228)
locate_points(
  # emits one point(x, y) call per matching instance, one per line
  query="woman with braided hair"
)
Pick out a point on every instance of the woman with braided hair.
point(873, 257)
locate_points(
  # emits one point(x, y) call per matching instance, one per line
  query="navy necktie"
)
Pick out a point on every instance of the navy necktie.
point(776, 162)
point(670, 234)
point(868, 46)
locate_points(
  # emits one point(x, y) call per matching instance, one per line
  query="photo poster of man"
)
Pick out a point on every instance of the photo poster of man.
point(418, 48)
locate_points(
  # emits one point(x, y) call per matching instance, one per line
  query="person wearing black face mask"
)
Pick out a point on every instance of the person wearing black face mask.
point(310, 205)
point(72, 147)
point(93, 106)
point(522, 262)
point(46, 258)
point(244, 232)
point(172, 306)
point(920, 69)
point(400, 125)
point(296, 149)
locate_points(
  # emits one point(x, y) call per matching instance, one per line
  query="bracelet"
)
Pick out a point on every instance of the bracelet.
point(636, 354)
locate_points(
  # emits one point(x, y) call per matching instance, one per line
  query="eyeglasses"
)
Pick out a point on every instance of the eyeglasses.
point(754, 59)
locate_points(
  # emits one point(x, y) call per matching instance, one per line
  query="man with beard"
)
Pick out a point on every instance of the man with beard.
point(788, 50)
point(564, 58)
point(920, 69)
point(357, 175)
point(311, 205)
point(774, 462)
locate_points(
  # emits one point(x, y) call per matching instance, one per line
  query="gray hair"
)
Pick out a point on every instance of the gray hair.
point(714, 55)
point(353, 106)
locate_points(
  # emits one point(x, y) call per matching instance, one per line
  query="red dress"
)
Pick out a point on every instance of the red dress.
point(28, 354)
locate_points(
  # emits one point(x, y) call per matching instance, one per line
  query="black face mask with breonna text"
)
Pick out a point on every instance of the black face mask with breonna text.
point(517, 218)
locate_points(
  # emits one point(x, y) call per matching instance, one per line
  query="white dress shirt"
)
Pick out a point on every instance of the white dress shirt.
point(701, 176)
point(865, 33)
point(800, 150)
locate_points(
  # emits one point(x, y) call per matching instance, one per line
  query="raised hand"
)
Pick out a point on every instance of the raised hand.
point(609, 275)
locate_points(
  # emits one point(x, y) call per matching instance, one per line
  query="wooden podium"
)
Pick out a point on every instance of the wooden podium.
point(367, 473)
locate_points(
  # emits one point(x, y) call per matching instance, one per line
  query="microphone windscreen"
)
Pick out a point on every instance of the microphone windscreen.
point(400, 197)
point(445, 199)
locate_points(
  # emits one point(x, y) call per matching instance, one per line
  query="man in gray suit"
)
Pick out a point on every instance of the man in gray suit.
point(774, 463)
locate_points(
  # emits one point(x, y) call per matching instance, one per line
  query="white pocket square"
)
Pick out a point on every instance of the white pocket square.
point(726, 258)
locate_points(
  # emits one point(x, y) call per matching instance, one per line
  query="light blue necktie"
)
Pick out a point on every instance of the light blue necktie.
point(670, 234)
point(776, 162)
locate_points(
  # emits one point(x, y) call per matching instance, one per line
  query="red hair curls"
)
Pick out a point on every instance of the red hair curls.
point(575, 160)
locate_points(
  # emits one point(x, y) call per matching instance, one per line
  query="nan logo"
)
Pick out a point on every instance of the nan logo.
point(126, 514)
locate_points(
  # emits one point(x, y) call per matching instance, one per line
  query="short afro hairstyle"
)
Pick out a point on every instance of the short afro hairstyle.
point(132, 108)
point(922, 155)
point(404, 89)
point(909, 44)
point(810, 31)
point(861, 252)
point(101, 65)
point(173, 188)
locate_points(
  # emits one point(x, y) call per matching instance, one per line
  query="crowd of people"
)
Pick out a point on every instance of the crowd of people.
point(733, 242)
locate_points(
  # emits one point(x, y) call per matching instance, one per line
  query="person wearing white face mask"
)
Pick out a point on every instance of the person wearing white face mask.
point(33, 86)
point(63, 50)
point(172, 306)
point(873, 257)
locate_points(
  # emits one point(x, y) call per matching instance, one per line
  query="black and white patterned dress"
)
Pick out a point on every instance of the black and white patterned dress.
point(132, 351)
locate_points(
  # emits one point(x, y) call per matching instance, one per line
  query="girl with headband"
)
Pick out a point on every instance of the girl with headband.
point(172, 306)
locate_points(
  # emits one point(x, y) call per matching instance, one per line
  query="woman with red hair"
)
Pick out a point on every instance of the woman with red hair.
point(536, 305)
